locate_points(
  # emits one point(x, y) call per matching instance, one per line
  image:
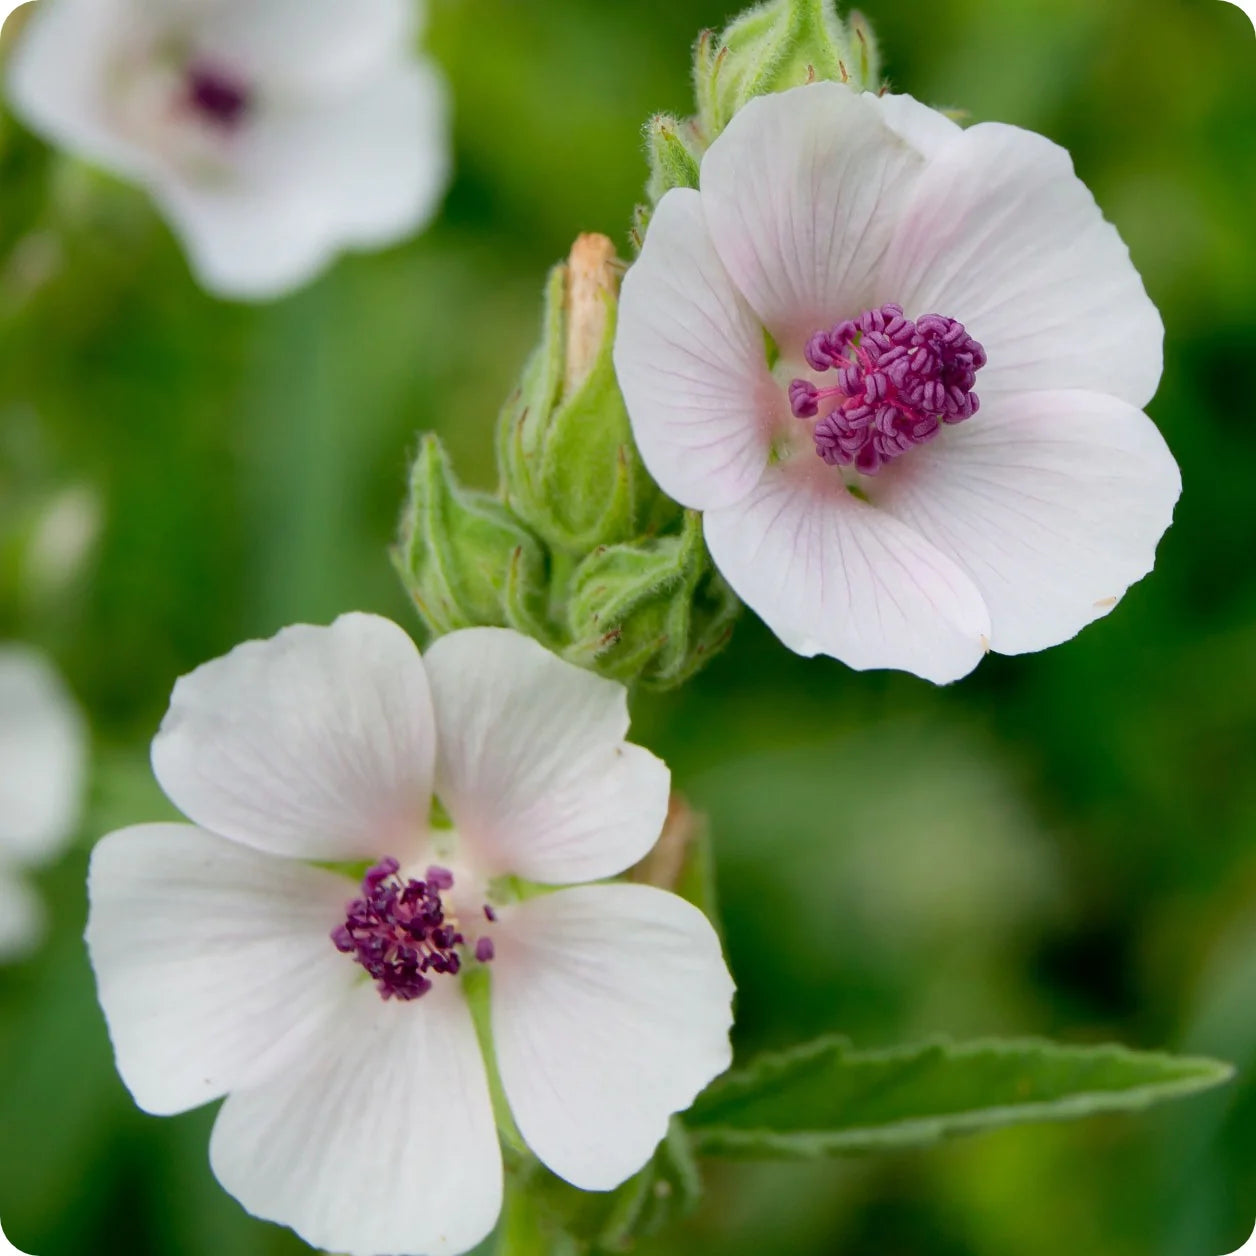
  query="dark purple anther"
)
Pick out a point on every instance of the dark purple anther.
point(898, 381)
point(400, 933)
point(218, 96)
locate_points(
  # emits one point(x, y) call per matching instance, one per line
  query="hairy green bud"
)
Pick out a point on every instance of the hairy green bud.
point(776, 46)
point(655, 610)
point(570, 469)
point(463, 557)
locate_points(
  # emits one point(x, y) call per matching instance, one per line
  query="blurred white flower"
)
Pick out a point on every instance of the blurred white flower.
point(43, 757)
point(801, 346)
point(273, 133)
point(334, 1017)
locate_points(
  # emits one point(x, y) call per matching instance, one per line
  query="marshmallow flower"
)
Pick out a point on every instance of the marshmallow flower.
point(272, 133)
point(233, 956)
point(43, 766)
point(900, 366)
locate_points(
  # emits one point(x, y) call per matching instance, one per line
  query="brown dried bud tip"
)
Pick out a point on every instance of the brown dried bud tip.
point(593, 273)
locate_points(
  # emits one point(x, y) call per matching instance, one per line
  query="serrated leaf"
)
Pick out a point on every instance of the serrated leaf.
point(826, 1098)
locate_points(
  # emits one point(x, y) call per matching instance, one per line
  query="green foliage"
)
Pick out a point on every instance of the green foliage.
point(544, 1216)
point(826, 1098)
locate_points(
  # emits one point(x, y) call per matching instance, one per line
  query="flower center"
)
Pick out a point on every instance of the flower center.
point(898, 381)
point(218, 96)
point(400, 931)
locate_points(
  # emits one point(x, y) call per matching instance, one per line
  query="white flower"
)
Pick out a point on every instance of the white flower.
point(272, 133)
point(43, 758)
point(853, 494)
point(358, 1109)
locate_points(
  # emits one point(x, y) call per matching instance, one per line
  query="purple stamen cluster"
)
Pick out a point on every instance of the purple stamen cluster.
point(898, 381)
point(220, 98)
point(398, 931)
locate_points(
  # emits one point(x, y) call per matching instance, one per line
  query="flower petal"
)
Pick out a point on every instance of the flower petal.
point(801, 194)
point(611, 1009)
point(318, 743)
point(363, 168)
point(306, 45)
point(829, 574)
point(58, 78)
point(926, 130)
point(43, 757)
point(214, 963)
point(380, 1139)
point(533, 766)
point(1052, 502)
point(1002, 235)
point(691, 359)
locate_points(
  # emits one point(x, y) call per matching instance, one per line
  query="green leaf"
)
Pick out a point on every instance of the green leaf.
point(826, 1098)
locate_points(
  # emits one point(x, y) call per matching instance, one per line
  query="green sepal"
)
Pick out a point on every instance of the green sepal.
point(674, 152)
point(544, 1214)
point(570, 469)
point(826, 1099)
point(654, 610)
point(463, 557)
point(776, 46)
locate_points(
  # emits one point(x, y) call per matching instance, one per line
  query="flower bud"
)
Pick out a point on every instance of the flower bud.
point(675, 154)
point(463, 557)
point(569, 467)
point(776, 46)
point(654, 610)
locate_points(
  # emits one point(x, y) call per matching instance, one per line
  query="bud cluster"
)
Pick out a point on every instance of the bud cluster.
point(578, 548)
point(775, 46)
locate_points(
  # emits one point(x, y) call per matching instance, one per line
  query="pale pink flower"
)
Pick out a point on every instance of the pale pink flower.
point(234, 957)
point(900, 366)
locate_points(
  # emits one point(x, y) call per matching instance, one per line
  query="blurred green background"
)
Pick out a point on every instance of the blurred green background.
point(1062, 844)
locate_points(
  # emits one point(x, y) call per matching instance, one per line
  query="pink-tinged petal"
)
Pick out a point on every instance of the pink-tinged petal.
point(43, 757)
point(318, 743)
point(214, 963)
point(925, 129)
point(801, 194)
point(1002, 235)
point(380, 1139)
point(692, 362)
point(533, 766)
point(830, 574)
point(611, 1008)
point(1052, 502)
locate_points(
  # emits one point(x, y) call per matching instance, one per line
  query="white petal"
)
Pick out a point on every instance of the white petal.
point(59, 74)
point(830, 574)
point(691, 359)
point(801, 194)
point(925, 129)
point(23, 921)
point(1002, 235)
point(359, 169)
point(611, 1010)
point(381, 1139)
point(532, 764)
point(317, 743)
point(305, 44)
point(214, 963)
point(1052, 502)
point(43, 757)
